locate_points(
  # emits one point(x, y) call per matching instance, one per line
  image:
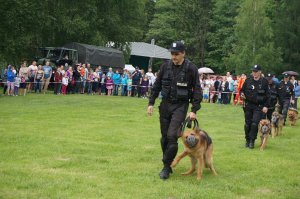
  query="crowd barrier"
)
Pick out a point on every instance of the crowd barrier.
point(133, 85)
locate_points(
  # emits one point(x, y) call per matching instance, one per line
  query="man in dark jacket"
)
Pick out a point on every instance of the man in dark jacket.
point(286, 95)
point(136, 81)
point(178, 82)
point(255, 91)
point(273, 90)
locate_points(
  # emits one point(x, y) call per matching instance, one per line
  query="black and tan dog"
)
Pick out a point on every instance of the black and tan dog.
point(292, 115)
point(277, 122)
point(264, 130)
point(198, 146)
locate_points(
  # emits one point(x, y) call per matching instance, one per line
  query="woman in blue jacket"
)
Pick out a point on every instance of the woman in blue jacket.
point(124, 78)
point(117, 81)
point(297, 93)
point(10, 80)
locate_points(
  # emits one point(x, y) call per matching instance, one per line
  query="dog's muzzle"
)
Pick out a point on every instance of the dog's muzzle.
point(274, 119)
point(191, 141)
point(265, 129)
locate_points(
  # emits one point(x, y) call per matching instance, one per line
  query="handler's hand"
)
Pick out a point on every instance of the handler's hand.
point(192, 116)
point(150, 110)
point(265, 109)
point(292, 101)
point(242, 96)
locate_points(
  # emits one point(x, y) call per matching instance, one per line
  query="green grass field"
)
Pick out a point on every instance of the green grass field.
point(81, 146)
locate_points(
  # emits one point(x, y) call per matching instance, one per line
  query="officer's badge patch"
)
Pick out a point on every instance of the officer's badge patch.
point(253, 87)
point(174, 45)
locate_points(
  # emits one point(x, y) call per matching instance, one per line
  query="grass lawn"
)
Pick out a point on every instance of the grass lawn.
point(81, 146)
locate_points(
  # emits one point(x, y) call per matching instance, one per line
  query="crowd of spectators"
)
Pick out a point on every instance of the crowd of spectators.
point(82, 78)
point(226, 89)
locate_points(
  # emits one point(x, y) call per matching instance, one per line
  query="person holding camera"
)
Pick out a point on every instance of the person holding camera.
point(255, 92)
point(178, 82)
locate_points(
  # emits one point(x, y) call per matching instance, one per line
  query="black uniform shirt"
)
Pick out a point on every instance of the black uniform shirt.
point(192, 77)
point(285, 90)
point(273, 89)
point(253, 89)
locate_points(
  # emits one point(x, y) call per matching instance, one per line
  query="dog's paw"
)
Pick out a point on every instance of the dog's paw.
point(261, 149)
point(173, 165)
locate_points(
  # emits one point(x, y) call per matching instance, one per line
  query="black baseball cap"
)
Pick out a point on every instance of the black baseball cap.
point(256, 68)
point(177, 46)
point(269, 76)
point(286, 75)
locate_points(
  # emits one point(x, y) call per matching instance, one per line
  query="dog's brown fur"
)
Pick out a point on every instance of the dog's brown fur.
point(293, 116)
point(264, 134)
point(277, 122)
point(201, 153)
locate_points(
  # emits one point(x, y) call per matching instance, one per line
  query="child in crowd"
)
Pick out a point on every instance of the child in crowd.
point(10, 80)
point(90, 82)
point(103, 84)
point(235, 90)
point(96, 81)
point(57, 81)
point(206, 93)
point(39, 75)
point(64, 84)
point(129, 85)
point(124, 78)
point(109, 85)
point(144, 86)
point(17, 85)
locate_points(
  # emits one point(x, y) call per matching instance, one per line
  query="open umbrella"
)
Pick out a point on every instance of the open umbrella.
point(291, 73)
point(205, 70)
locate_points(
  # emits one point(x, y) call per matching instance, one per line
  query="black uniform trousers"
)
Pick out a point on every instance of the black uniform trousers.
point(253, 114)
point(270, 112)
point(284, 107)
point(172, 115)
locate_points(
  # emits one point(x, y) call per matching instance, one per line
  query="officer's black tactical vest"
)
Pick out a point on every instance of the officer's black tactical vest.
point(255, 95)
point(273, 95)
point(176, 89)
point(285, 90)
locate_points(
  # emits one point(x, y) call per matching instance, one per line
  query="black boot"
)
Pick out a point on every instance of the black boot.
point(251, 144)
point(165, 172)
point(247, 143)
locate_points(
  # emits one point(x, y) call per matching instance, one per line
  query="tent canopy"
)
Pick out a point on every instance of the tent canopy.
point(97, 55)
point(149, 50)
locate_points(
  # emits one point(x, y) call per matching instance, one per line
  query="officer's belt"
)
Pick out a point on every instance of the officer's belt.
point(176, 101)
point(254, 103)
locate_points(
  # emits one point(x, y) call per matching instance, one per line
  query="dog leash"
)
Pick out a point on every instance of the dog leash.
point(188, 123)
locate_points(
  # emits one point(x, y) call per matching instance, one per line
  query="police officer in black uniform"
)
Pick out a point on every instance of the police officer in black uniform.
point(255, 91)
point(286, 95)
point(178, 82)
point(273, 90)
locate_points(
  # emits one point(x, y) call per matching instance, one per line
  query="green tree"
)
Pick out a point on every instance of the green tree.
point(221, 34)
point(193, 19)
point(27, 24)
point(163, 26)
point(255, 38)
point(287, 32)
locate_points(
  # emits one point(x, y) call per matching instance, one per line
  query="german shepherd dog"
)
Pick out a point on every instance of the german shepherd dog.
point(293, 116)
point(264, 130)
point(198, 146)
point(277, 122)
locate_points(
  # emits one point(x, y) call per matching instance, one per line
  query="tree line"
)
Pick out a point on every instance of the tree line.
point(225, 35)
